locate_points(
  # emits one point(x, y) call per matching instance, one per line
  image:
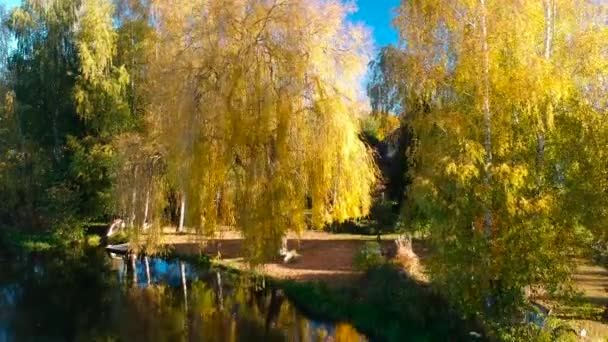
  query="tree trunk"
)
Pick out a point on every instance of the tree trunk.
point(133, 202)
point(549, 19)
point(146, 209)
point(549, 28)
point(182, 213)
point(283, 250)
point(487, 116)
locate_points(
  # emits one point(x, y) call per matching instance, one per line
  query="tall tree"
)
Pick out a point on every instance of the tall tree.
point(478, 85)
point(253, 109)
point(69, 103)
point(44, 55)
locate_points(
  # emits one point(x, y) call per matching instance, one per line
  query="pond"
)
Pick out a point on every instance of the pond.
point(86, 295)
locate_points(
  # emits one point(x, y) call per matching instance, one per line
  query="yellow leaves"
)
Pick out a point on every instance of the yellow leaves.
point(9, 103)
point(255, 105)
point(542, 205)
point(346, 333)
point(462, 173)
point(546, 93)
point(510, 176)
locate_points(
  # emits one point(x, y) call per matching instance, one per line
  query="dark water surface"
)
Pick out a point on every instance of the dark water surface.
point(88, 296)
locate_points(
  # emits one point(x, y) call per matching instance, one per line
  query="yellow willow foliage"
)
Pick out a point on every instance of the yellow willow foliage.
point(254, 106)
point(140, 190)
point(555, 96)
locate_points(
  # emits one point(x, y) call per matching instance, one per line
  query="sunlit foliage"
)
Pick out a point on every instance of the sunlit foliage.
point(505, 212)
point(253, 105)
point(100, 91)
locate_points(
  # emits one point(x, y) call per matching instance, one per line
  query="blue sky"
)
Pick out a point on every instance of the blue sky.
point(10, 3)
point(375, 14)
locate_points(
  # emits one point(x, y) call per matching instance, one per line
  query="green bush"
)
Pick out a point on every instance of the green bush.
point(384, 213)
point(93, 240)
point(382, 219)
point(599, 251)
point(369, 256)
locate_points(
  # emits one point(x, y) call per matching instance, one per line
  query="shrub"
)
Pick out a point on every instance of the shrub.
point(93, 240)
point(384, 213)
point(369, 256)
point(599, 251)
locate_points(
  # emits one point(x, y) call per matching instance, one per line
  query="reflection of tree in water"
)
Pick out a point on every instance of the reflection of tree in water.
point(229, 318)
point(151, 314)
point(63, 297)
point(82, 297)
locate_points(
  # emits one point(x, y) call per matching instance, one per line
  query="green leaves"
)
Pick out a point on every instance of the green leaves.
point(101, 88)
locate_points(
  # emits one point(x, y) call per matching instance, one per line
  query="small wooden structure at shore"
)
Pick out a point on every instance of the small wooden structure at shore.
point(121, 249)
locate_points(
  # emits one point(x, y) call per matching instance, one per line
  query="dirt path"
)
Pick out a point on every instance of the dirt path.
point(592, 280)
point(325, 256)
point(322, 256)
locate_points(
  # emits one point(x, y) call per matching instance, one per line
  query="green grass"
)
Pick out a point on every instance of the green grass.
point(29, 242)
point(35, 246)
point(42, 242)
point(385, 305)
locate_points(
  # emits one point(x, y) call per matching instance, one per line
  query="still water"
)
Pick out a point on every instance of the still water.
point(89, 296)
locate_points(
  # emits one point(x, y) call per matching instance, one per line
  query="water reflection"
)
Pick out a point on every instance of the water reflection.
point(91, 297)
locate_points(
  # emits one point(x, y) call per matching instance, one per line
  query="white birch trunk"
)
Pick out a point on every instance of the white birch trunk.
point(487, 115)
point(549, 27)
point(146, 209)
point(283, 250)
point(133, 201)
point(182, 213)
point(549, 18)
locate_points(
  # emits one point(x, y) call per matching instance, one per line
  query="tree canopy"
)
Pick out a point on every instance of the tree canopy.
point(502, 100)
point(247, 113)
point(253, 107)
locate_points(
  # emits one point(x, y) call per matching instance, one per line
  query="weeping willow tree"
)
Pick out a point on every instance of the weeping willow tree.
point(499, 96)
point(252, 112)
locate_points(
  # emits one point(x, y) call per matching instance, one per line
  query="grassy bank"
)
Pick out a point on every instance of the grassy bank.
point(41, 242)
point(384, 304)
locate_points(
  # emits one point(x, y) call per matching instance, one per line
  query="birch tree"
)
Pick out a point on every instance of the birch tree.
point(490, 89)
